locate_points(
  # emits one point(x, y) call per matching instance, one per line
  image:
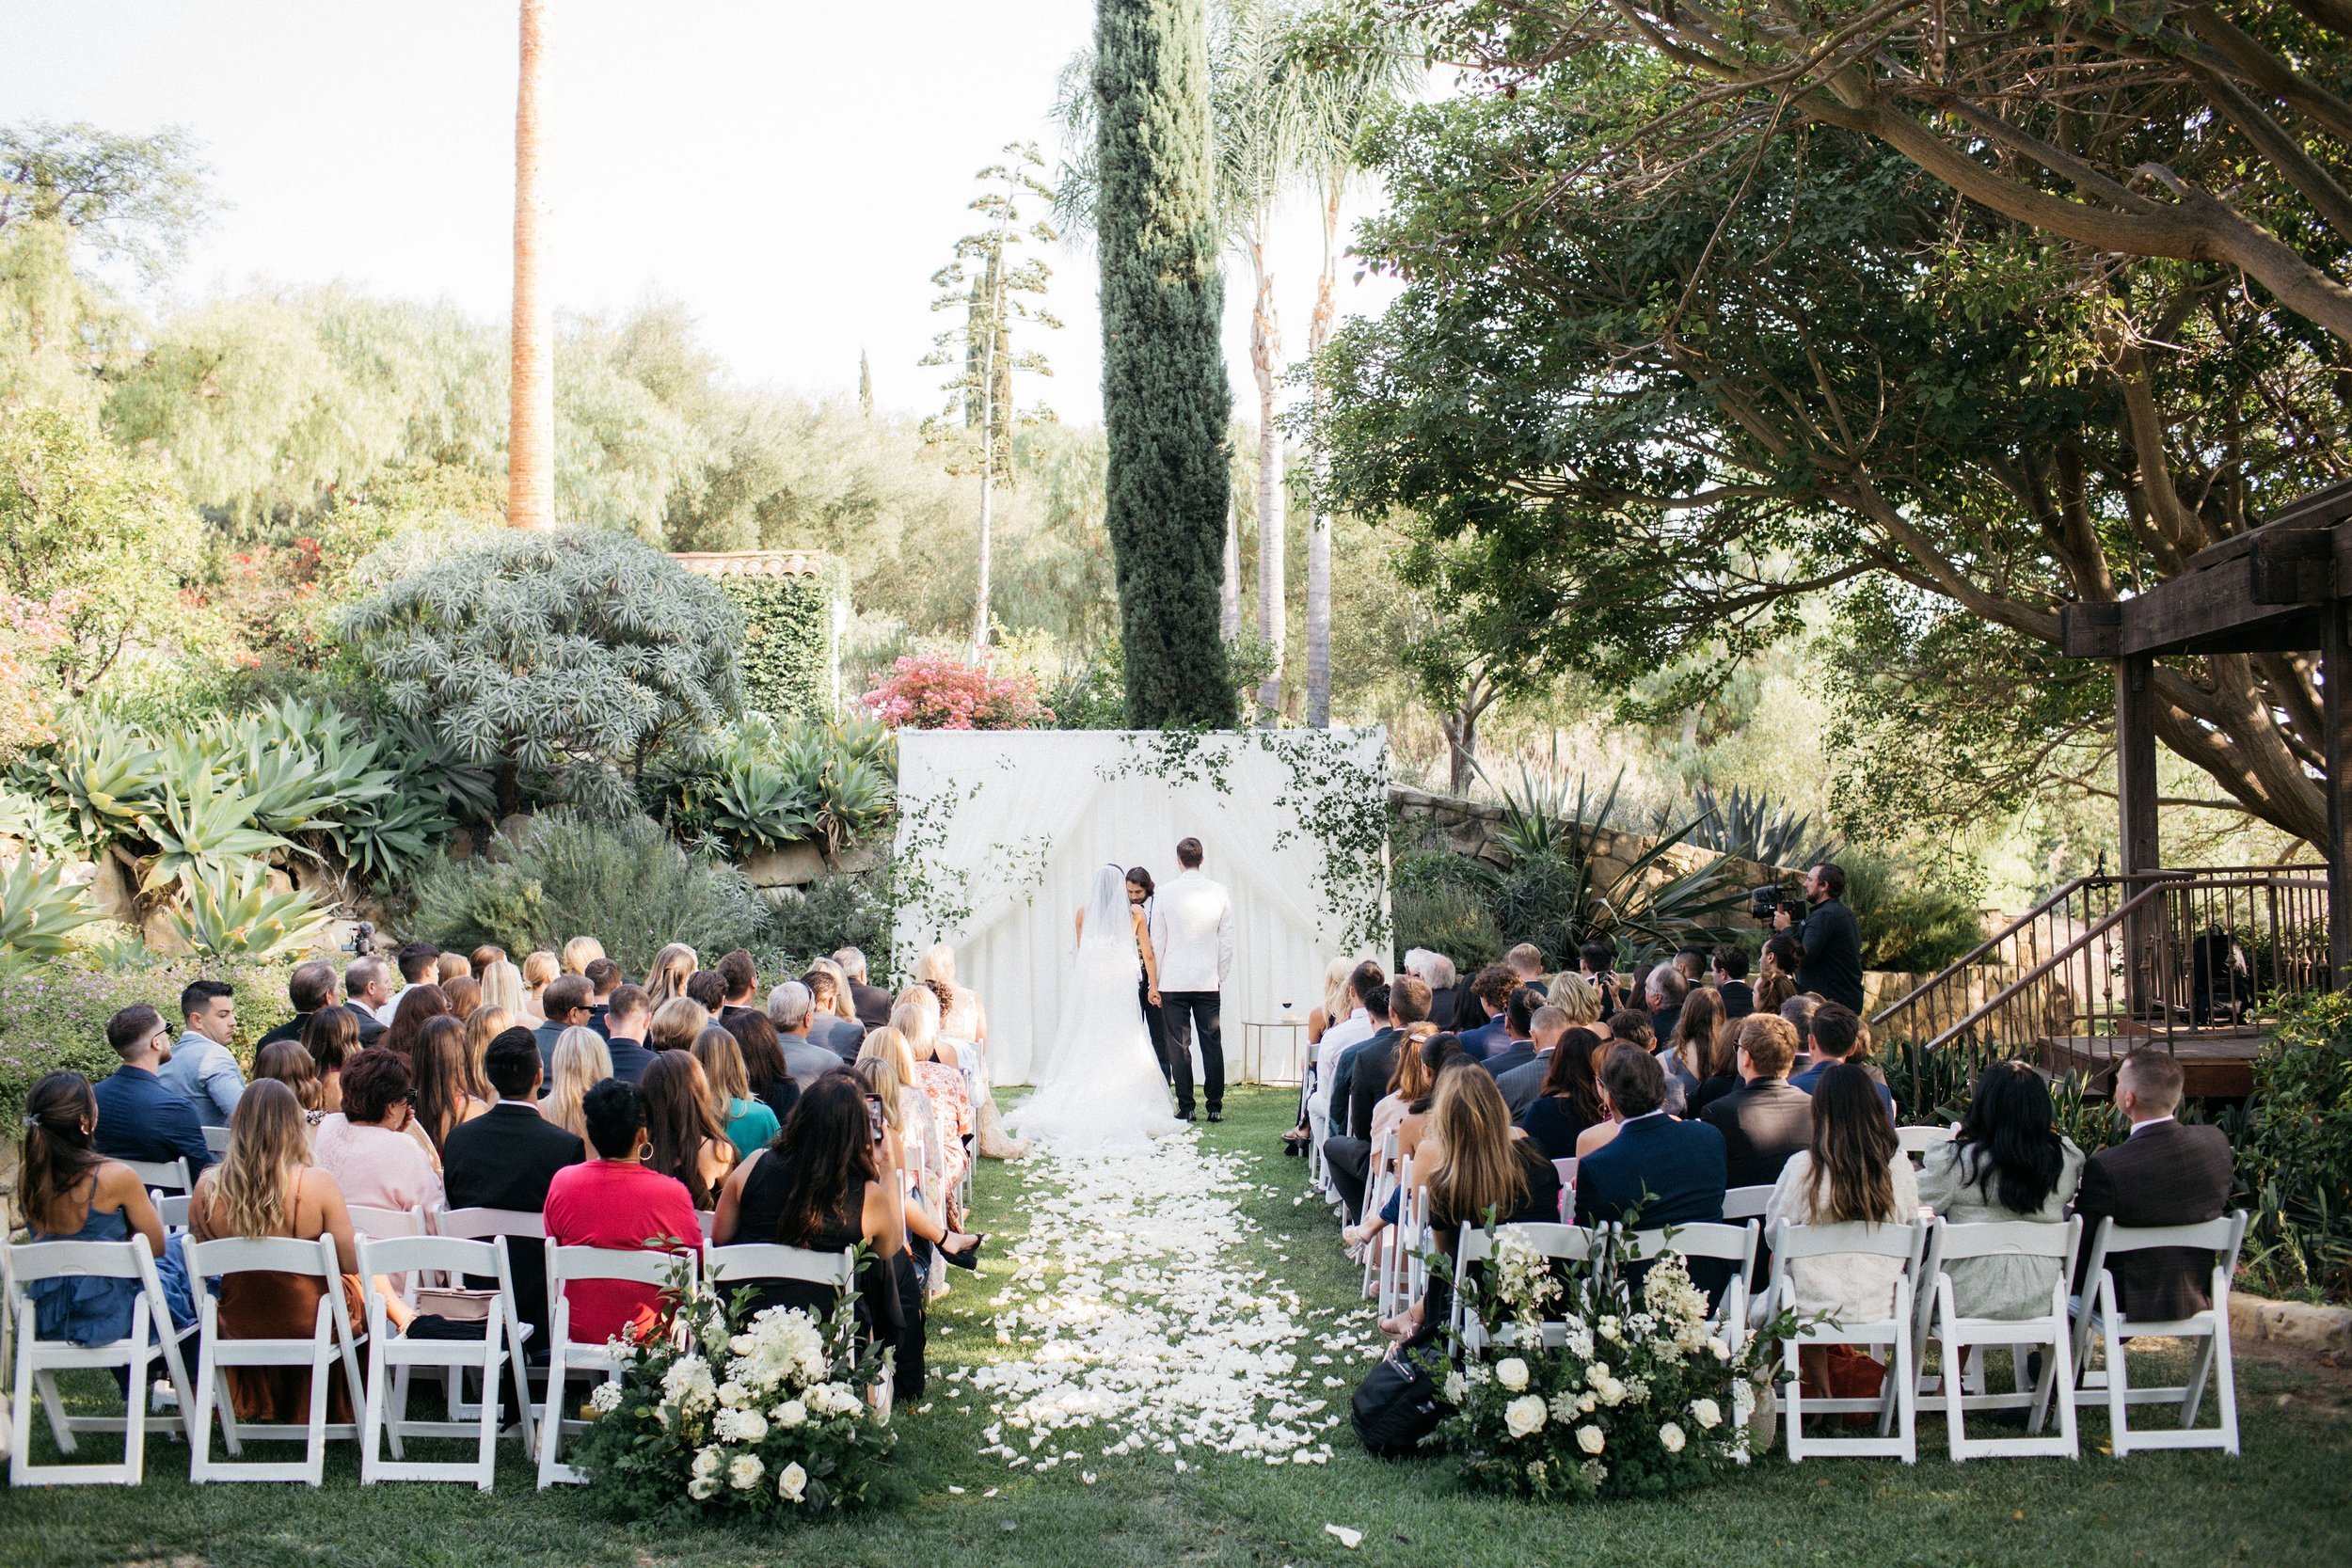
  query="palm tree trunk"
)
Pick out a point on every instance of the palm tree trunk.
point(1266, 353)
point(1318, 513)
point(531, 414)
point(1229, 592)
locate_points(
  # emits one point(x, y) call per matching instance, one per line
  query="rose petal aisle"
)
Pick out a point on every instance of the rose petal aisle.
point(1138, 1322)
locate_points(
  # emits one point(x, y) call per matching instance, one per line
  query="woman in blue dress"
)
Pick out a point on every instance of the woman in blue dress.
point(70, 1192)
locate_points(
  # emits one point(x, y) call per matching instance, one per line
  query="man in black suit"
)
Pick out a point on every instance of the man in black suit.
point(843, 1037)
point(504, 1159)
point(1764, 1120)
point(742, 979)
point(1656, 1171)
point(1518, 1031)
point(1731, 980)
point(1596, 960)
point(565, 1002)
point(1364, 1071)
point(1522, 1084)
point(871, 1004)
point(604, 977)
point(625, 1026)
point(1831, 938)
point(311, 986)
point(367, 986)
point(2164, 1174)
point(1666, 989)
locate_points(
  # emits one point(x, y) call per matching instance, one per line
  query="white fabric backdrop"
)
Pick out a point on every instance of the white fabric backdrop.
point(1015, 823)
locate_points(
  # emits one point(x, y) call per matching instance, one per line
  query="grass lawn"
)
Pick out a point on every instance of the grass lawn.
point(2283, 1501)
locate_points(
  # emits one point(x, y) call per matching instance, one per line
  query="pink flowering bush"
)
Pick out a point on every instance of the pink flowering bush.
point(937, 693)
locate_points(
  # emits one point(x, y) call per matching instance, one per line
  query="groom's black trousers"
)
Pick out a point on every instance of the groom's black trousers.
point(1180, 1010)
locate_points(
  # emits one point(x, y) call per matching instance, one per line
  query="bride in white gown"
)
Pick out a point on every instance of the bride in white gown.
point(1101, 1091)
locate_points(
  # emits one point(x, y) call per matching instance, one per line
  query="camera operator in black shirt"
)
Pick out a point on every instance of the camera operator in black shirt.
point(1831, 939)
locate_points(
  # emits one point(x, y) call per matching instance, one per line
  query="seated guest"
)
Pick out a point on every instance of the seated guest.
point(1516, 1047)
point(748, 1123)
point(1520, 1085)
point(1596, 961)
point(685, 1139)
point(1731, 980)
point(417, 962)
point(1578, 998)
point(483, 1025)
point(1364, 1071)
point(707, 988)
point(1631, 1026)
point(505, 1159)
point(482, 957)
point(502, 988)
point(450, 968)
point(625, 1022)
point(604, 977)
point(1358, 1025)
point(792, 1013)
point(1686, 1052)
point(741, 978)
point(1444, 981)
point(2007, 1162)
point(465, 996)
point(311, 986)
point(675, 1023)
point(1525, 963)
point(266, 1185)
point(332, 1040)
point(1491, 989)
point(1772, 995)
point(417, 1006)
point(1656, 1171)
point(766, 1072)
point(138, 1117)
point(367, 997)
point(675, 964)
point(540, 970)
point(820, 1189)
point(1799, 1009)
point(1664, 994)
point(1691, 963)
point(613, 1202)
point(1479, 1174)
point(1719, 1072)
point(1405, 1111)
point(935, 1072)
point(366, 1147)
point(1782, 956)
point(446, 1092)
point(201, 1069)
point(1766, 1119)
point(289, 1064)
point(578, 953)
point(830, 1026)
point(2165, 1173)
point(1837, 1036)
point(69, 1192)
point(1854, 1172)
point(583, 1060)
point(870, 1004)
point(1568, 1099)
point(565, 1005)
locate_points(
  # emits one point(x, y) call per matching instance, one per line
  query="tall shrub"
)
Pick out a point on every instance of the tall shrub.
point(1164, 397)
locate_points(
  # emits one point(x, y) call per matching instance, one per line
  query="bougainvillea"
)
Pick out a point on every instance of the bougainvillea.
point(943, 694)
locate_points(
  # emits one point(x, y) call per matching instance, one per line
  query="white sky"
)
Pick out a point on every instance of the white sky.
point(792, 171)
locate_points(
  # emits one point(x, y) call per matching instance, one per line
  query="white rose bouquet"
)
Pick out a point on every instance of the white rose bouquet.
point(1640, 1397)
point(776, 1412)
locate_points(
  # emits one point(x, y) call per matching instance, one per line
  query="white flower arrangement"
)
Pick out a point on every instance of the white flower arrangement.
point(1511, 1372)
point(1523, 1415)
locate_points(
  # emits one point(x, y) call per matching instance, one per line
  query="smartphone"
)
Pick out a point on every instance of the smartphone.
point(874, 1115)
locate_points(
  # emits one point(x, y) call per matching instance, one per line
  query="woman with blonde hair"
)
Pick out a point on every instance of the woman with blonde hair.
point(914, 1018)
point(448, 966)
point(581, 1061)
point(672, 968)
point(538, 969)
point(291, 1064)
point(579, 952)
point(1334, 1006)
point(483, 1025)
point(503, 988)
point(844, 1005)
point(464, 995)
point(1577, 997)
point(675, 1024)
point(888, 1066)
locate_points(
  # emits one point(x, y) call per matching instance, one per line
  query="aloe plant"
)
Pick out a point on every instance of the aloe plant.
point(231, 913)
point(39, 910)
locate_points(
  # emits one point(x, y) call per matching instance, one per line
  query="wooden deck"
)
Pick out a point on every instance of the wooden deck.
point(2214, 1065)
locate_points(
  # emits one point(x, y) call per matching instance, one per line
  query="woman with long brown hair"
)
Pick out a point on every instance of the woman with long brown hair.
point(446, 1093)
point(749, 1123)
point(1855, 1172)
point(1720, 1072)
point(1686, 1050)
point(462, 993)
point(69, 1192)
point(416, 1005)
point(331, 1037)
point(291, 1065)
point(1569, 1101)
point(672, 968)
point(689, 1143)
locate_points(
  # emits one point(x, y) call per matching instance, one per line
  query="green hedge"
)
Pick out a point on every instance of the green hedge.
point(56, 1018)
point(787, 633)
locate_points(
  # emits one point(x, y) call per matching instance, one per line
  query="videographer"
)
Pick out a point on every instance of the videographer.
point(1832, 941)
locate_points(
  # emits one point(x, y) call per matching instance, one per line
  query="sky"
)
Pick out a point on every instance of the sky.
point(791, 171)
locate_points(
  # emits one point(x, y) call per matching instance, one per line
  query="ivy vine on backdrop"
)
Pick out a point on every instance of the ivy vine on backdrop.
point(787, 650)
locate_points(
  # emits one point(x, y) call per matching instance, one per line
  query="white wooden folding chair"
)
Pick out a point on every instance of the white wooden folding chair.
point(1791, 1242)
point(318, 1353)
point(508, 1228)
point(1731, 1243)
point(1393, 1263)
point(1916, 1141)
point(1318, 1127)
point(163, 1176)
point(2097, 1313)
point(1565, 1243)
point(570, 1264)
point(392, 1357)
point(172, 1210)
point(1745, 1203)
point(386, 1224)
point(38, 1360)
point(216, 1140)
point(751, 1261)
point(1958, 1336)
point(1565, 1170)
point(1376, 1193)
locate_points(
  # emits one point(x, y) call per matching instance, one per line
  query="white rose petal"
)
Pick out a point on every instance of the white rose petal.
point(1351, 1539)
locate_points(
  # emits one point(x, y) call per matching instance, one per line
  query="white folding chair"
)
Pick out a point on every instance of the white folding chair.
point(749, 1262)
point(1565, 1169)
point(1376, 1193)
point(1916, 1141)
point(386, 1223)
point(392, 1357)
point(709, 1218)
point(570, 1264)
point(1791, 1242)
point(216, 1140)
point(172, 1210)
point(1957, 1336)
point(509, 1229)
point(318, 1354)
point(1393, 1248)
point(38, 1360)
point(163, 1176)
point(1318, 1129)
point(1566, 1242)
point(1731, 1243)
point(1745, 1203)
point(2112, 1381)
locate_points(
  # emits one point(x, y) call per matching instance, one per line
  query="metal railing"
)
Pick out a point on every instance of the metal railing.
point(2111, 962)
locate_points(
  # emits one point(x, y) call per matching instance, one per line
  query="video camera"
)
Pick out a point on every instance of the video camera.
point(1765, 902)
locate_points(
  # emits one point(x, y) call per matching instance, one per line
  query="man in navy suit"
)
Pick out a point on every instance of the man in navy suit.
point(1834, 1035)
point(1492, 986)
point(138, 1118)
point(1518, 1030)
point(625, 1022)
point(1656, 1171)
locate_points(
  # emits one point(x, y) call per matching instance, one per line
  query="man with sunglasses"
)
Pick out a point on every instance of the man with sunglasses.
point(138, 1117)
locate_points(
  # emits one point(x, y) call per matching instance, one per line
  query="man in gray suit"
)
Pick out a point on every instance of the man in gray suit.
point(791, 1011)
point(843, 1036)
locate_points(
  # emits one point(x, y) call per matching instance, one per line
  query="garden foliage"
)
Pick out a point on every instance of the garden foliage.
point(56, 1018)
point(761, 785)
point(2295, 1156)
point(787, 643)
point(940, 693)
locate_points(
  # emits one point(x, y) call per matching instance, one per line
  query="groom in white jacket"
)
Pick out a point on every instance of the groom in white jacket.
point(1192, 933)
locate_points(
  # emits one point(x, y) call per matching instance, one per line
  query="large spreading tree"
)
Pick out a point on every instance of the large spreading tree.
point(1165, 396)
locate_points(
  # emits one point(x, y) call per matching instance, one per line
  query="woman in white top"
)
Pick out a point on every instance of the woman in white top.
point(964, 1025)
point(1854, 1172)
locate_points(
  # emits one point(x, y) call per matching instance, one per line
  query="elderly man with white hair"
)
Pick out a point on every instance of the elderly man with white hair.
point(1444, 982)
point(791, 1009)
point(870, 1003)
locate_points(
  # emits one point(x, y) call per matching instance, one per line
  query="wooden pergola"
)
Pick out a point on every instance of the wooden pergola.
point(2281, 588)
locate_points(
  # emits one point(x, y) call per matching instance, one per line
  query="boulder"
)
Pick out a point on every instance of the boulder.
point(789, 866)
point(859, 857)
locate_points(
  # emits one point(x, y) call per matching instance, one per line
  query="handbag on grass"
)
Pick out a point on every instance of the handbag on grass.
point(1395, 1408)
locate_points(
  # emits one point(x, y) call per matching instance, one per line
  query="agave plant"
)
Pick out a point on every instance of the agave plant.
point(28, 813)
point(105, 774)
point(231, 913)
point(1752, 826)
point(39, 911)
point(202, 830)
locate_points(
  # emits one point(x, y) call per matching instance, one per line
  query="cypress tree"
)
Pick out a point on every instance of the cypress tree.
point(1164, 397)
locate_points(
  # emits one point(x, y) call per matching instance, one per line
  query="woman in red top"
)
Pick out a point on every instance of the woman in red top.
point(613, 1202)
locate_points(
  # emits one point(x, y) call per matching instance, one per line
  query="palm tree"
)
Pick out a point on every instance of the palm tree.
point(531, 414)
point(1344, 90)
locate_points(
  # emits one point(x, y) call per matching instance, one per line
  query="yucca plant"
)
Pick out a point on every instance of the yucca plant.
point(39, 910)
point(231, 913)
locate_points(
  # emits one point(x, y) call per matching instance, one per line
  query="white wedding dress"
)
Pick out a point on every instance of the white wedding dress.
point(1101, 1091)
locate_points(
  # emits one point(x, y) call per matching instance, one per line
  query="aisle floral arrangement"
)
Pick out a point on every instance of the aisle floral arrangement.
point(1642, 1395)
point(780, 1414)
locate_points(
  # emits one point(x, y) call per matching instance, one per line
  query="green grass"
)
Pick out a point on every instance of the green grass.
point(2283, 1502)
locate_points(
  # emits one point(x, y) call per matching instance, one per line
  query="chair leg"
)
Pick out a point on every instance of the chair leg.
point(322, 1367)
point(2195, 1395)
point(1955, 1414)
point(552, 1418)
point(485, 1451)
point(135, 1400)
point(372, 1412)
